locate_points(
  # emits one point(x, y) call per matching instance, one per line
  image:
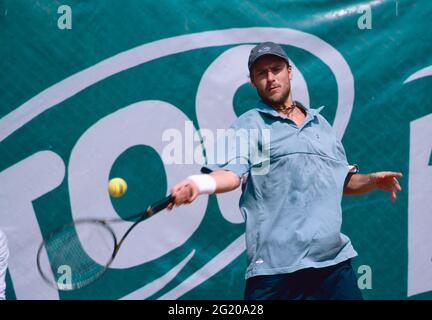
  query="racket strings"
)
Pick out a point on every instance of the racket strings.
point(66, 252)
point(85, 249)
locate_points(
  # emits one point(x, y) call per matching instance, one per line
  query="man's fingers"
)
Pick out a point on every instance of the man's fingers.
point(395, 174)
point(194, 194)
point(388, 174)
point(184, 193)
point(180, 196)
point(393, 197)
point(396, 182)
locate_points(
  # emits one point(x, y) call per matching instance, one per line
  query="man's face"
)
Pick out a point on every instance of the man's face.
point(271, 76)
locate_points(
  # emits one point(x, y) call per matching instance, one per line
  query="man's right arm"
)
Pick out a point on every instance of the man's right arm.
point(218, 181)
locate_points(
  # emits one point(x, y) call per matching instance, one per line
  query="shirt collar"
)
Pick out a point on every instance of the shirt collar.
point(265, 108)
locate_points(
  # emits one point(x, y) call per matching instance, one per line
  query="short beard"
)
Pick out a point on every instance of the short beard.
point(276, 102)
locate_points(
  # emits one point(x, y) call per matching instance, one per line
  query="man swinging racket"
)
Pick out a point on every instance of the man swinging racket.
point(293, 215)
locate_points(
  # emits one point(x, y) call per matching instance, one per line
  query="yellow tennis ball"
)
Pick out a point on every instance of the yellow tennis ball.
point(117, 187)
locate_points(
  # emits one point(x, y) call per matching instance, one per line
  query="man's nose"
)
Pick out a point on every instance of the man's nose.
point(270, 76)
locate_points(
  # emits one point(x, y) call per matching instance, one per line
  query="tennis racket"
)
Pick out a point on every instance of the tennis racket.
point(69, 266)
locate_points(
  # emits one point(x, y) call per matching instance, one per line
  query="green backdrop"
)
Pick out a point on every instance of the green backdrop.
point(87, 103)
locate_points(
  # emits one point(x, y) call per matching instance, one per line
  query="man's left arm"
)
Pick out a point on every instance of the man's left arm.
point(363, 183)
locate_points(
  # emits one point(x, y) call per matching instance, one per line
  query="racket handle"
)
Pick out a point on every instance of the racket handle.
point(158, 206)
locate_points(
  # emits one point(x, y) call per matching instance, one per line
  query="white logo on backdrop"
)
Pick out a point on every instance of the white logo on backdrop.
point(420, 189)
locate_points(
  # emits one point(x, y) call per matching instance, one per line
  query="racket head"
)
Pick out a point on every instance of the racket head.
point(85, 264)
point(78, 254)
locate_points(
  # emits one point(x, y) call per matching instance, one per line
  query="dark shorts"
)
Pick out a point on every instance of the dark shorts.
point(338, 282)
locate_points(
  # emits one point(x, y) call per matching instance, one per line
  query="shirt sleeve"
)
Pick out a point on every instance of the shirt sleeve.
point(232, 150)
point(353, 168)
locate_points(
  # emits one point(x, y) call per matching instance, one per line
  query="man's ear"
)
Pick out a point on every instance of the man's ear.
point(289, 72)
point(251, 80)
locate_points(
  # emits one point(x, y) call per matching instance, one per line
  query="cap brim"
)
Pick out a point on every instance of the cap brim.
point(268, 54)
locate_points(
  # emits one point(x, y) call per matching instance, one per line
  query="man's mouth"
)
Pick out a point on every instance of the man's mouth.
point(273, 89)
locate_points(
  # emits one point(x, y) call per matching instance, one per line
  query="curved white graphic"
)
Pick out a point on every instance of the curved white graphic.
point(95, 153)
point(224, 258)
point(157, 284)
point(164, 47)
point(20, 185)
point(419, 74)
point(420, 189)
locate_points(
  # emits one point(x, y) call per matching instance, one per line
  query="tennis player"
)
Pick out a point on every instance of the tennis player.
point(293, 215)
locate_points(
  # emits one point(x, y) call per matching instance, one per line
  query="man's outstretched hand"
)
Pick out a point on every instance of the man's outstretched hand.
point(387, 181)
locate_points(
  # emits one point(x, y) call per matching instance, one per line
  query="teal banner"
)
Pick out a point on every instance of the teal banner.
point(92, 90)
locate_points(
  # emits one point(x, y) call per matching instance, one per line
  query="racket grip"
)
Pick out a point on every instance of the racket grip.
point(158, 206)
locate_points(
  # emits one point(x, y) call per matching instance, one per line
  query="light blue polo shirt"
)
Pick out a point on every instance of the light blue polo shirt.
point(292, 211)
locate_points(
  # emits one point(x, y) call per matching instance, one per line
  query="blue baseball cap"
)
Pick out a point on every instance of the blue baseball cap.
point(266, 48)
